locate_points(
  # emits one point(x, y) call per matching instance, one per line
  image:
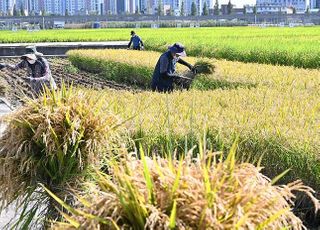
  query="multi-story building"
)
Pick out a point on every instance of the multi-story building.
point(314, 4)
point(271, 6)
point(6, 6)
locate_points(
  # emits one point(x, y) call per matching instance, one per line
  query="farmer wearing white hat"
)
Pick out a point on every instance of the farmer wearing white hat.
point(39, 73)
point(164, 73)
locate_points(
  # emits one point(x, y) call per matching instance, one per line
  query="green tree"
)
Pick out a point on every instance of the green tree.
point(244, 10)
point(229, 7)
point(182, 11)
point(216, 8)
point(22, 12)
point(170, 12)
point(205, 10)
point(254, 9)
point(137, 10)
point(294, 11)
point(15, 11)
point(308, 10)
point(193, 9)
point(160, 11)
point(66, 13)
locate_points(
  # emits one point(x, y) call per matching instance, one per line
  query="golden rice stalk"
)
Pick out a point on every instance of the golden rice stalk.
point(3, 87)
point(52, 140)
point(205, 66)
point(222, 195)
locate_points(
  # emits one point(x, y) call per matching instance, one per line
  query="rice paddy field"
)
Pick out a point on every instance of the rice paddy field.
point(284, 46)
point(236, 151)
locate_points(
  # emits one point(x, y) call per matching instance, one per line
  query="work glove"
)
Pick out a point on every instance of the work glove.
point(194, 70)
point(142, 47)
point(3, 65)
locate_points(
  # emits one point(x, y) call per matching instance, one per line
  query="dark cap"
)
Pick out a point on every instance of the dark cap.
point(132, 32)
point(177, 48)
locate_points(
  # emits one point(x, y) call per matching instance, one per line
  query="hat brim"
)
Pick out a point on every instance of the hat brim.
point(176, 51)
point(38, 54)
point(182, 54)
point(30, 56)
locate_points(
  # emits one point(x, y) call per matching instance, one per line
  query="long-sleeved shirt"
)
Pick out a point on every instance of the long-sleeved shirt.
point(164, 72)
point(39, 73)
point(136, 41)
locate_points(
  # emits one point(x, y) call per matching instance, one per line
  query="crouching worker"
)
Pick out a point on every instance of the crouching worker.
point(39, 73)
point(164, 74)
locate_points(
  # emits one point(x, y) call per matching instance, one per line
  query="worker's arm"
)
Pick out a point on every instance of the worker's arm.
point(183, 62)
point(21, 65)
point(191, 67)
point(130, 42)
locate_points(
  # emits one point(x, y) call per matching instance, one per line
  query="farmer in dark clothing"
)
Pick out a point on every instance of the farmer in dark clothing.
point(136, 42)
point(164, 73)
point(38, 70)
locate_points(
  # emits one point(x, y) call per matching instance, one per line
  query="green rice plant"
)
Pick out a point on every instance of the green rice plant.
point(52, 140)
point(278, 46)
point(135, 75)
point(192, 193)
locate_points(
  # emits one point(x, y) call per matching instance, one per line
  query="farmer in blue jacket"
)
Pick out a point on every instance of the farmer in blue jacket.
point(164, 73)
point(136, 42)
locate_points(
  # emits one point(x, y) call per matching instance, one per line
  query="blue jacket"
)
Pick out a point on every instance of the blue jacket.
point(164, 73)
point(135, 40)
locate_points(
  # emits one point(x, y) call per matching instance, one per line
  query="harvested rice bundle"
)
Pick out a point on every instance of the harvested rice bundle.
point(188, 194)
point(52, 140)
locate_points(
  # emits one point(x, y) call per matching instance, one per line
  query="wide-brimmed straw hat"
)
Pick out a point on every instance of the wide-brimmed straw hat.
point(178, 49)
point(29, 56)
point(33, 50)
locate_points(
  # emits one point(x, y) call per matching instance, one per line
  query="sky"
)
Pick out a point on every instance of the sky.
point(238, 3)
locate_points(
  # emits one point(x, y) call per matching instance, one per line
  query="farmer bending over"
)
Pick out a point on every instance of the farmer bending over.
point(164, 73)
point(39, 73)
point(136, 42)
